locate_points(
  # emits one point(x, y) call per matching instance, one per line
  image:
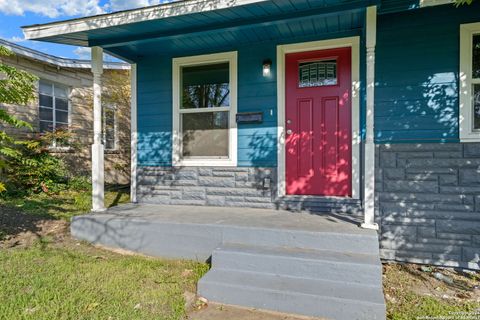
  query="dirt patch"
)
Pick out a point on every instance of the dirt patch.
point(18, 229)
point(214, 311)
point(440, 283)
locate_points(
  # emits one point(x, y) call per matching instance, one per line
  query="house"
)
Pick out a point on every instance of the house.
point(347, 107)
point(64, 100)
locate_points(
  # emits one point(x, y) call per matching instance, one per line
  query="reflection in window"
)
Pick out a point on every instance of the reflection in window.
point(476, 106)
point(204, 111)
point(109, 127)
point(476, 57)
point(205, 86)
point(317, 73)
point(53, 106)
point(205, 134)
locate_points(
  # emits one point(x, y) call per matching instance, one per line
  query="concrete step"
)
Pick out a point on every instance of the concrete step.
point(318, 298)
point(320, 204)
point(334, 241)
point(313, 264)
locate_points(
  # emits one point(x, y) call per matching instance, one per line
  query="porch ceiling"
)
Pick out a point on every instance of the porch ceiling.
point(206, 28)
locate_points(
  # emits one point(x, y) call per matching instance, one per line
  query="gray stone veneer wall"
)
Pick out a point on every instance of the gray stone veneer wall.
point(213, 186)
point(428, 203)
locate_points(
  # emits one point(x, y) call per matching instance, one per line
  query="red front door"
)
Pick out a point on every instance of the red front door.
point(318, 123)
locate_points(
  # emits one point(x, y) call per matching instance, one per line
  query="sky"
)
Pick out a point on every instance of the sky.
point(17, 13)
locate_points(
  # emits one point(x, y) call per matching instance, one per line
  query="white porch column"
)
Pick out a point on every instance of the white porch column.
point(134, 134)
point(369, 181)
point(98, 196)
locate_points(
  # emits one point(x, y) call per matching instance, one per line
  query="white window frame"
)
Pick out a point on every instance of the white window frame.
point(69, 109)
point(115, 126)
point(177, 64)
point(467, 133)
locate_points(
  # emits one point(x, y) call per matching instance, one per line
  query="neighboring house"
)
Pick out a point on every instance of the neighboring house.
point(346, 107)
point(64, 100)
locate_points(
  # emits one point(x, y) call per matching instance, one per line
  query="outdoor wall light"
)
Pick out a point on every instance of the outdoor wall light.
point(267, 67)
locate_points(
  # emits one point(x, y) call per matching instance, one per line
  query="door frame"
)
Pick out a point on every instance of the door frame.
point(282, 50)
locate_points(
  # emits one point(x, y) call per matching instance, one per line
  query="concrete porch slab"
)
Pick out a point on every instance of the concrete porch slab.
point(193, 232)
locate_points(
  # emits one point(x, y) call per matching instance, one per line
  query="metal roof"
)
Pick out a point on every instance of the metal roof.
point(58, 61)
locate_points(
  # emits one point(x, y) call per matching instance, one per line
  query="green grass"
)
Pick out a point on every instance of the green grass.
point(412, 294)
point(49, 282)
point(415, 306)
point(60, 278)
point(64, 204)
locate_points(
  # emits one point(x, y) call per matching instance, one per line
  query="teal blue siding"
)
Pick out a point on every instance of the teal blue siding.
point(417, 63)
point(154, 92)
point(257, 143)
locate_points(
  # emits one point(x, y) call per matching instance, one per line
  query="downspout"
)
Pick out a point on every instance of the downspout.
point(134, 133)
point(98, 179)
point(369, 180)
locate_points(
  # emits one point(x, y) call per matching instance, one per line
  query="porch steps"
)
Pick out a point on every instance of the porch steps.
point(320, 204)
point(310, 264)
point(320, 283)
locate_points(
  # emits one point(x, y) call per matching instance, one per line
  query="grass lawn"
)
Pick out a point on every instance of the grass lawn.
point(45, 274)
point(51, 282)
point(66, 204)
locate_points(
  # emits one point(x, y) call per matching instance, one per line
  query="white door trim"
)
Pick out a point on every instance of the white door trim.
point(282, 50)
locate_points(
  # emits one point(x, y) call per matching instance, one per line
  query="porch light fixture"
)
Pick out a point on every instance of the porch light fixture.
point(267, 67)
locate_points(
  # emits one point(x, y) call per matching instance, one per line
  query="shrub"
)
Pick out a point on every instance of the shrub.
point(34, 169)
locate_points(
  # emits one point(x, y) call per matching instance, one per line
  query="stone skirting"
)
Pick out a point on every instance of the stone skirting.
point(212, 186)
point(428, 203)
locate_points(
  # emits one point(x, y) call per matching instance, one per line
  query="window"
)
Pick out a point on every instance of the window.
point(470, 82)
point(110, 127)
point(204, 110)
point(53, 106)
point(317, 73)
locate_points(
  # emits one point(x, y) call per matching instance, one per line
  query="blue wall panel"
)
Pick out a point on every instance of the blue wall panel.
point(257, 143)
point(417, 63)
point(154, 118)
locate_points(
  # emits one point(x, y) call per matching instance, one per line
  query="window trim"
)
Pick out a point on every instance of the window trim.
point(69, 110)
point(177, 63)
point(115, 126)
point(467, 133)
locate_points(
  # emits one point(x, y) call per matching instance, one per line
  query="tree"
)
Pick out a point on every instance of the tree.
point(16, 87)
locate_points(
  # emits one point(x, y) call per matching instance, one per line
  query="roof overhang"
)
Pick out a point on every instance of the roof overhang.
point(165, 28)
point(168, 10)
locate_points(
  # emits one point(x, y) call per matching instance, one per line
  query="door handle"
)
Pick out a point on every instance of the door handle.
point(289, 131)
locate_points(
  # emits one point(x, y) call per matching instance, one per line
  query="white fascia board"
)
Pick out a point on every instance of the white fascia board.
point(172, 9)
point(431, 3)
point(58, 61)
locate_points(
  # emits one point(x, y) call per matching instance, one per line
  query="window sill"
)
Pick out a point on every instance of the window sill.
point(470, 137)
point(61, 150)
point(205, 163)
point(112, 151)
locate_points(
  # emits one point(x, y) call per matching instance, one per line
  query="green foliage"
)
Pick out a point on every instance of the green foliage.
point(31, 167)
point(16, 87)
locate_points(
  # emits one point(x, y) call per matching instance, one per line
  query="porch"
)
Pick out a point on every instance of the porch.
point(320, 265)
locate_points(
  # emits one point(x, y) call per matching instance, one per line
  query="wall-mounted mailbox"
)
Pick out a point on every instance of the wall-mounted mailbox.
point(250, 117)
